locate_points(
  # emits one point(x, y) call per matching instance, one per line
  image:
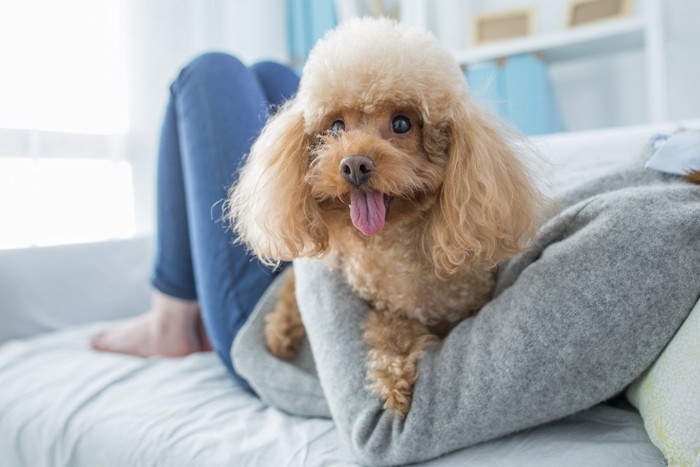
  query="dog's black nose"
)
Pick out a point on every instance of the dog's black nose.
point(357, 169)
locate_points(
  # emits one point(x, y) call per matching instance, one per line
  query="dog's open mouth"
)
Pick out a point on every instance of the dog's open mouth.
point(369, 210)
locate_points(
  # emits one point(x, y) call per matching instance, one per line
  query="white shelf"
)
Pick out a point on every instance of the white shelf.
point(582, 41)
point(644, 32)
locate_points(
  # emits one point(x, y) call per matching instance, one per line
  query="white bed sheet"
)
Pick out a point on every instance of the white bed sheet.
point(62, 404)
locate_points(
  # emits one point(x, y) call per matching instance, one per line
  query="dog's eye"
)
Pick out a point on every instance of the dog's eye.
point(400, 124)
point(337, 125)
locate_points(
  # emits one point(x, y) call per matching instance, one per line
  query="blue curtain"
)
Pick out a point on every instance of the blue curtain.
point(519, 89)
point(309, 20)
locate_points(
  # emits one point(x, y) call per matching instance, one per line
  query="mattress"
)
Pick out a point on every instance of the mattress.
point(63, 404)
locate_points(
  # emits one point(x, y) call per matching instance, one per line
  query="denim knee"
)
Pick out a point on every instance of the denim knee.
point(269, 69)
point(279, 81)
point(211, 66)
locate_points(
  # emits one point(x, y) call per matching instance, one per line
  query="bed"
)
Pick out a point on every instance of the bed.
point(62, 404)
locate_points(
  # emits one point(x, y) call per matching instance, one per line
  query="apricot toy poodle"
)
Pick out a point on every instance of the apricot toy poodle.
point(383, 166)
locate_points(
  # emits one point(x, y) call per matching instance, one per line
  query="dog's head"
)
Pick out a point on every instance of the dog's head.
point(382, 134)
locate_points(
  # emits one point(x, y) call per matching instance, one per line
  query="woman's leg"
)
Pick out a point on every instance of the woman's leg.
point(219, 107)
point(278, 82)
point(172, 327)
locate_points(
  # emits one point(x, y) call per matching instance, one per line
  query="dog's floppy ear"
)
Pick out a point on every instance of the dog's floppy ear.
point(270, 207)
point(488, 207)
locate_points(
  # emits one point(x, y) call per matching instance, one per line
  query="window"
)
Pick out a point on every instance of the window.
point(62, 66)
point(59, 201)
point(63, 119)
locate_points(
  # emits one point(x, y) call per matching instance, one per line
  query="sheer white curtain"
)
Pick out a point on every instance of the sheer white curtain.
point(82, 89)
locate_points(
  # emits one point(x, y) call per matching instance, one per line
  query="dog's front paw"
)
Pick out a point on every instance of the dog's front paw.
point(283, 341)
point(284, 330)
point(396, 392)
point(399, 403)
point(283, 335)
point(395, 345)
point(281, 346)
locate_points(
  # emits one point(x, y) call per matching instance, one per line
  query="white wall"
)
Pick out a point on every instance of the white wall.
point(683, 27)
point(611, 90)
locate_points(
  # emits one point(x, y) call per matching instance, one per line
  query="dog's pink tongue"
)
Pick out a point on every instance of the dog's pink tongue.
point(367, 211)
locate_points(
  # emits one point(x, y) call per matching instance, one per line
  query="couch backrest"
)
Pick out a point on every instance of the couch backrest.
point(47, 288)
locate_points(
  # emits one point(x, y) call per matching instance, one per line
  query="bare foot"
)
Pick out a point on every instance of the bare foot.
point(172, 328)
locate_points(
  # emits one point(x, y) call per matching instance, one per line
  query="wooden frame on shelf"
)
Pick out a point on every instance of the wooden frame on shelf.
point(591, 11)
point(493, 27)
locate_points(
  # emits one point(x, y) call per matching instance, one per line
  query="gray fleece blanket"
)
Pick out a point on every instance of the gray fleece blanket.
point(574, 321)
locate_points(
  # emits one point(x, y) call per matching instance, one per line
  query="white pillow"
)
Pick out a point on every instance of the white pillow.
point(667, 396)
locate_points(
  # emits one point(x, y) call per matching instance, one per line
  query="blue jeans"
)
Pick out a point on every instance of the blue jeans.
point(217, 108)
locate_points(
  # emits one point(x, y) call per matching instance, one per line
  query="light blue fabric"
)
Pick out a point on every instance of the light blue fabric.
point(309, 20)
point(487, 86)
point(520, 90)
point(530, 101)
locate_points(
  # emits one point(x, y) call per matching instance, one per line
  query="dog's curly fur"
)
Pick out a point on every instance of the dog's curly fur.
point(458, 195)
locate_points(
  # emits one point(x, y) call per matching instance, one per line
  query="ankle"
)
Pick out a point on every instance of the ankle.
point(169, 306)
